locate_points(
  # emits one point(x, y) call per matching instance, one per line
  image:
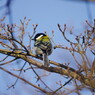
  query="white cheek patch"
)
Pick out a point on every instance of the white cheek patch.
point(39, 37)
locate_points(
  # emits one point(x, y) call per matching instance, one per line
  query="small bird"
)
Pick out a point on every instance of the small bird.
point(43, 47)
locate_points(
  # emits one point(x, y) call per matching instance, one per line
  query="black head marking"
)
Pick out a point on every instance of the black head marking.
point(37, 35)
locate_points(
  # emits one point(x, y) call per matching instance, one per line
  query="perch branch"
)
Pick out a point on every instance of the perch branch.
point(57, 70)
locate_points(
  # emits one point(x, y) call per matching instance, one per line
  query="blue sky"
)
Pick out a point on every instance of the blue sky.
point(47, 14)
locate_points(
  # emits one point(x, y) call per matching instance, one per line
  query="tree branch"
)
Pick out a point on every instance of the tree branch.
point(58, 70)
point(26, 81)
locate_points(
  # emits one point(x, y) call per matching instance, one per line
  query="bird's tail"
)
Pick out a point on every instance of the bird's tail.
point(45, 60)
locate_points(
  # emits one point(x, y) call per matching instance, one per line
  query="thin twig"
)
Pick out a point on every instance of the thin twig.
point(89, 24)
point(62, 85)
point(63, 33)
point(74, 90)
point(31, 37)
point(4, 58)
point(8, 62)
point(39, 78)
point(3, 44)
point(9, 28)
point(21, 45)
point(77, 88)
point(18, 75)
point(34, 28)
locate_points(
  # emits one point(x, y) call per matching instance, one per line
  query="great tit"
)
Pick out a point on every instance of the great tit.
point(43, 47)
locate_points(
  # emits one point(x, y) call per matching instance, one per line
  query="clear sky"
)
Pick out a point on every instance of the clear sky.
point(47, 14)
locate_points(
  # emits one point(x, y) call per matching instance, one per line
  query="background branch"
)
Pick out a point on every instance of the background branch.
point(26, 81)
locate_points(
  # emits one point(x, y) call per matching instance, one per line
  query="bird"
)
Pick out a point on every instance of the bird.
point(43, 47)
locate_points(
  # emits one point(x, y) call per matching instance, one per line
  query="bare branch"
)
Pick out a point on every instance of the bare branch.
point(85, 42)
point(26, 81)
point(39, 78)
point(58, 70)
point(62, 85)
point(4, 58)
point(89, 24)
point(18, 75)
point(63, 33)
point(8, 62)
point(6, 45)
